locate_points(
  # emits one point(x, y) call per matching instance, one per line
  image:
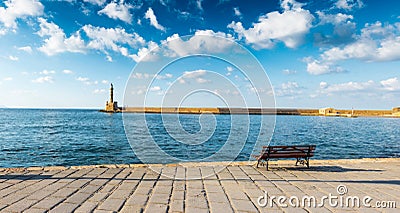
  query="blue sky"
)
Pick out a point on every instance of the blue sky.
point(64, 54)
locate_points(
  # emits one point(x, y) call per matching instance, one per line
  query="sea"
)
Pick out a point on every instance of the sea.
point(66, 137)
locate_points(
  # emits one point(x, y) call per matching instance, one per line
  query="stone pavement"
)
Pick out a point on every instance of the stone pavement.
point(204, 187)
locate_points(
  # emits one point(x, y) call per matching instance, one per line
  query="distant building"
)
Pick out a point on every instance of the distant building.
point(111, 105)
point(396, 111)
point(327, 111)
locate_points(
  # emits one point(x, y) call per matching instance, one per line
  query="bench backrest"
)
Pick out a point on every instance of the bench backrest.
point(288, 151)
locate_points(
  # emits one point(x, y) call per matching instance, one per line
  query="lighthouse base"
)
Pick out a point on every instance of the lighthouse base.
point(112, 107)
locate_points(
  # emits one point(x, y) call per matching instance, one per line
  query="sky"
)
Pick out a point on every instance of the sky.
point(334, 53)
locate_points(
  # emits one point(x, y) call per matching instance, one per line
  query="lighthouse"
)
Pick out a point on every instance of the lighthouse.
point(112, 93)
point(111, 105)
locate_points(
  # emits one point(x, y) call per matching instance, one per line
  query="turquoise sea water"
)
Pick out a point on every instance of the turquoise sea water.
point(43, 137)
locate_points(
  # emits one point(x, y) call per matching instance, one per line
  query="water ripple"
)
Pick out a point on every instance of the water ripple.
point(37, 137)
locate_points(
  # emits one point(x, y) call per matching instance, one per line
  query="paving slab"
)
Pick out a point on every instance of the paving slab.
point(205, 187)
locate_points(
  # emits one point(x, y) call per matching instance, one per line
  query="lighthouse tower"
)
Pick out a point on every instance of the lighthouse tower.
point(111, 105)
point(112, 93)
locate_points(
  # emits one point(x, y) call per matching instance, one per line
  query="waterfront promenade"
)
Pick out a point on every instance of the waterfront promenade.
point(199, 187)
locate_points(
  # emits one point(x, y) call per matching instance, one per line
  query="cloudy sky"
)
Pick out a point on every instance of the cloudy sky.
point(338, 53)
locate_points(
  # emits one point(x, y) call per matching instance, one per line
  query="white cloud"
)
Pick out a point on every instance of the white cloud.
point(289, 72)
point(348, 4)
point(155, 89)
point(194, 74)
point(19, 9)
point(229, 69)
point(290, 85)
point(82, 79)
point(109, 58)
point(117, 11)
point(323, 85)
point(8, 79)
point(289, 27)
point(47, 72)
point(203, 41)
point(27, 49)
point(223, 92)
point(43, 79)
point(376, 42)
point(67, 71)
point(237, 12)
point(104, 82)
point(86, 81)
point(145, 53)
point(138, 92)
point(197, 4)
point(186, 15)
point(13, 58)
point(291, 5)
point(333, 18)
point(316, 67)
point(3, 31)
point(343, 29)
point(153, 19)
point(99, 91)
point(391, 84)
point(181, 81)
point(348, 87)
point(96, 2)
point(138, 75)
point(289, 88)
point(57, 41)
point(371, 88)
point(166, 76)
point(112, 38)
point(259, 90)
point(202, 80)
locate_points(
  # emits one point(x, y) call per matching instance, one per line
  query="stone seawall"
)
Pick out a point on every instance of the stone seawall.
point(220, 110)
point(367, 113)
point(260, 111)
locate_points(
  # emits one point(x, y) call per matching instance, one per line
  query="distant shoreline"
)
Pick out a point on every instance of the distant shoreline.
point(329, 112)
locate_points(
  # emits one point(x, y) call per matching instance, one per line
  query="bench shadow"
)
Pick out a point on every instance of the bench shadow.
point(394, 182)
point(26, 177)
point(324, 169)
point(331, 169)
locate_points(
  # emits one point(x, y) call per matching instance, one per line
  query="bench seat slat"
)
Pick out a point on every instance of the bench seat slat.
point(288, 155)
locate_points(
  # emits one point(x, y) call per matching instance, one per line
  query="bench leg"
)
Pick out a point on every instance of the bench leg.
point(258, 162)
point(297, 161)
point(308, 162)
point(267, 164)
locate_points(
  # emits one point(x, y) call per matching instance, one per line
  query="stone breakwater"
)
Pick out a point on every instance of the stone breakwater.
point(260, 111)
point(219, 110)
point(197, 187)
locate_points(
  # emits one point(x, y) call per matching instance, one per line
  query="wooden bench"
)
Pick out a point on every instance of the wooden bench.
point(301, 152)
